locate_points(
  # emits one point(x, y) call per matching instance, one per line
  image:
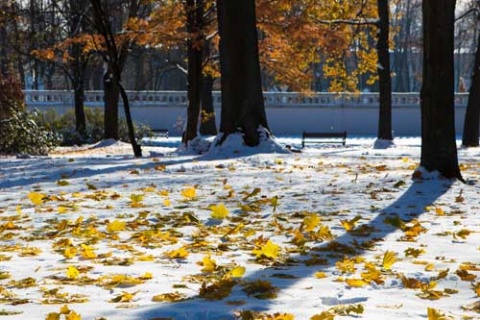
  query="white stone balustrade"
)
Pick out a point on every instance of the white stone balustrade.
point(272, 99)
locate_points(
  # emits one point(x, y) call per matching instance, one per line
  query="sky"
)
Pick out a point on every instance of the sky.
point(329, 232)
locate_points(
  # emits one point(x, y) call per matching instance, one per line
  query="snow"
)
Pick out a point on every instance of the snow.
point(124, 218)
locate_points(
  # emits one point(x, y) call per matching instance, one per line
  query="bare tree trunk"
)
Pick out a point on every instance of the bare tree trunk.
point(137, 150)
point(439, 149)
point(80, 118)
point(472, 115)
point(385, 81)
point(111, 92)
point(243, 108)
point(194, 10)
point(208, 125)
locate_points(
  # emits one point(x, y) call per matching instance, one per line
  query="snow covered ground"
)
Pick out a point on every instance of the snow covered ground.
point(334, 231)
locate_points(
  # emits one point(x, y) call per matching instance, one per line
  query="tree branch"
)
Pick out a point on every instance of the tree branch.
point(370, 22)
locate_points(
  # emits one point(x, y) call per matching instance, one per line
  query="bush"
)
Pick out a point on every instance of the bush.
point(21, 134)
point(64, 126)
point(19, 131)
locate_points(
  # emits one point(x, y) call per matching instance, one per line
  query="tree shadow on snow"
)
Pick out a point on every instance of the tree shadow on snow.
point(409, 205)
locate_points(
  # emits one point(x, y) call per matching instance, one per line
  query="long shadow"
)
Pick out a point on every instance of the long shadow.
point(409, 205)
point(23, 173)
point(29, 172)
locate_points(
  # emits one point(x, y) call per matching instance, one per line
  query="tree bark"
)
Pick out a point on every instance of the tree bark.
point(80, 118)
point(111, 91)
point(208, 125)
point(137, 150)
point(439, 149)
point(385, 81)
point(243, 107)
point(472, 115)
point(194, 10)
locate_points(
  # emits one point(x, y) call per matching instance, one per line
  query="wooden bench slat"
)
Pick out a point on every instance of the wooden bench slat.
point(324, 137)
point(161, 132)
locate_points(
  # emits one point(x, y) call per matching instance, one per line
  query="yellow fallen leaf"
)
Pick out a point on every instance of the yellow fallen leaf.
point(439, 211)
point(166, 203)
point(356, 283)
point(180, 253)
point(88, 252)
point(136, 200)
point(324, 233)
point(349, 225)
point(73, 316)
point(189, 193)
point(429, 267)
point(146, 276)
point(62, 209)
point(124, 297)
point(169, 297)
point(149, 189)
point(209, 265)
point(310, 222)
point(115, 226)
point(19, 209)
point(476, 288)
point(70, 252)
point(269, 250)
point(389, 258)
point(320, 275)
point(164, 193)
point(434, 314)
point(219, 211)
point(36, 198)
point(236, 272)
point(72, 273)
point(65, 309)
point(325, 315)
point(53, 316)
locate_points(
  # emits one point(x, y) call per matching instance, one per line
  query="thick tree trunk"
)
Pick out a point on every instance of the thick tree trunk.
point(194, 10)
point(385, 81)
point(80, 118)
point(208, 124)
point(472, 115)
point(243, 107)
point(111, 91)
point(439, 149)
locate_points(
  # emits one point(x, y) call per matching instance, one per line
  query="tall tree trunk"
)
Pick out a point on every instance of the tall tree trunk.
point(208, 124)
point(78, 80)
point(111, 92)
point(194, 10)
point(80, 118)
point(243, 108)
point(439, 149)
point(385, 81)
point(472, 115)
point(137, 150)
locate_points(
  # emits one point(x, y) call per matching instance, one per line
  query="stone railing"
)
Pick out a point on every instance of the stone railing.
point(53, 98)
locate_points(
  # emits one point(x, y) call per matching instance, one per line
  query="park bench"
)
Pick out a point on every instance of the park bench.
point(161, 133)
point(324, 137)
